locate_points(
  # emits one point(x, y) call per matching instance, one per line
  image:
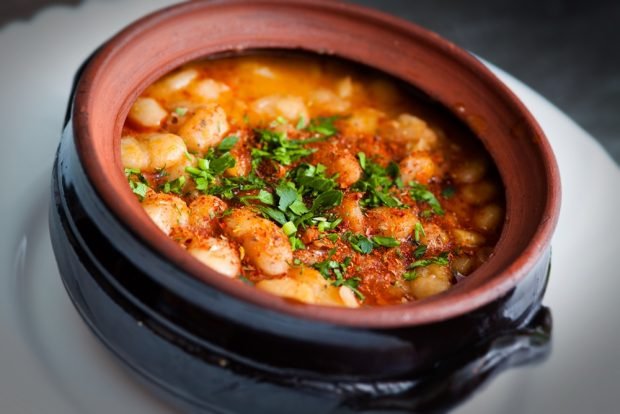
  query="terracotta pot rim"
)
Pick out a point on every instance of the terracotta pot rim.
point(448, 305)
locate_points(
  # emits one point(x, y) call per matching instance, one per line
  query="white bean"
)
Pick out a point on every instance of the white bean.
point(344, 87)
point(463, 264)
point(479, 193)
point(326, 100)
point(339, 160)
point(307, 285)
point(165, 150)
point(265, 244)
point(413, 132)
point(204, 211)
point(391, 222)
point(351, 213)
point(489, 217)
point(271, 107)
point(364, 121)
point(176, 81)
point(205, 128)
point(348, 297)
point(418, 167)
point(430, 280)
point(134, 154)
point(434, 238)
point(166, 210)
point(147, 112)
point(467, 238)
point(470, 171)
point(218, 254)
point(209, 89)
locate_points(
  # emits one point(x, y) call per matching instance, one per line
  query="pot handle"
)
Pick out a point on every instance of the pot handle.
point(452, 381)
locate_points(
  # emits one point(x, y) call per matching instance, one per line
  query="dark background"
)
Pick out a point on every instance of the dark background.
point(567, 50)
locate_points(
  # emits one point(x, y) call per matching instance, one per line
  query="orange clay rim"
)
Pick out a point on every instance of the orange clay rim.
point(101, 159)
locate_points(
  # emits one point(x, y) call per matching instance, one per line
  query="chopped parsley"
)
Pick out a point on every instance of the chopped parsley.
point(335, 271)
point(420, 193)
point(420, 251)
point(441, 260)
point(359, 242)
point(137, 182)
point(327, 200)
point(209, 168)
point(272, 213)
point(263, 196)
point(305, 183)
point(385, 241)
point(323, 125)
point(276, 146)
point(418, 232)
point(352, 283)
point(209, 179)
point(175, 186)
point(228, 143)
point(180, 111)
point(296, 243)
point(289, 228)
point(365, 245)
point(301, 123)
point(301, 198)
point(312, 179)
point(323, 224)
point(287, 195)
point(376, 183)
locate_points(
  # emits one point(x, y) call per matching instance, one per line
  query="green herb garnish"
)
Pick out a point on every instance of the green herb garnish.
point(418, 232)
point(420, 251)
point(287, 196)
point(301, 123)
point(359, 242)
point(263, 196)
point(327, 200)
point(137, 182)
point(335, 272)
point(324, 125)
point(289, 228)
point(272, 213)
point(175, 186)
point(420, 193)
point(441, 260)
point(276, 146)
point(376, 183)
point(228, 143)
point(296, 243)
point(385, 241)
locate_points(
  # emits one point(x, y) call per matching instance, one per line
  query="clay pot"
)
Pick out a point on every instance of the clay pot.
point(191, 331)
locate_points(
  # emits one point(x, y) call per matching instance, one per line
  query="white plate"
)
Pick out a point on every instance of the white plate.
point(49, 361)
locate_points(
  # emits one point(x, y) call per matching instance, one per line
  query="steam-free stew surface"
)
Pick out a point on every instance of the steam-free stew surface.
point(312, 179)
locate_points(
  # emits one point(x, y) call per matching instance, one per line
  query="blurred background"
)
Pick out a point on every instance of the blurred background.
point(567, 50)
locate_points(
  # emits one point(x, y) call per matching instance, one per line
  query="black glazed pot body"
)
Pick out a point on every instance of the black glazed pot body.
point(213, 351)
